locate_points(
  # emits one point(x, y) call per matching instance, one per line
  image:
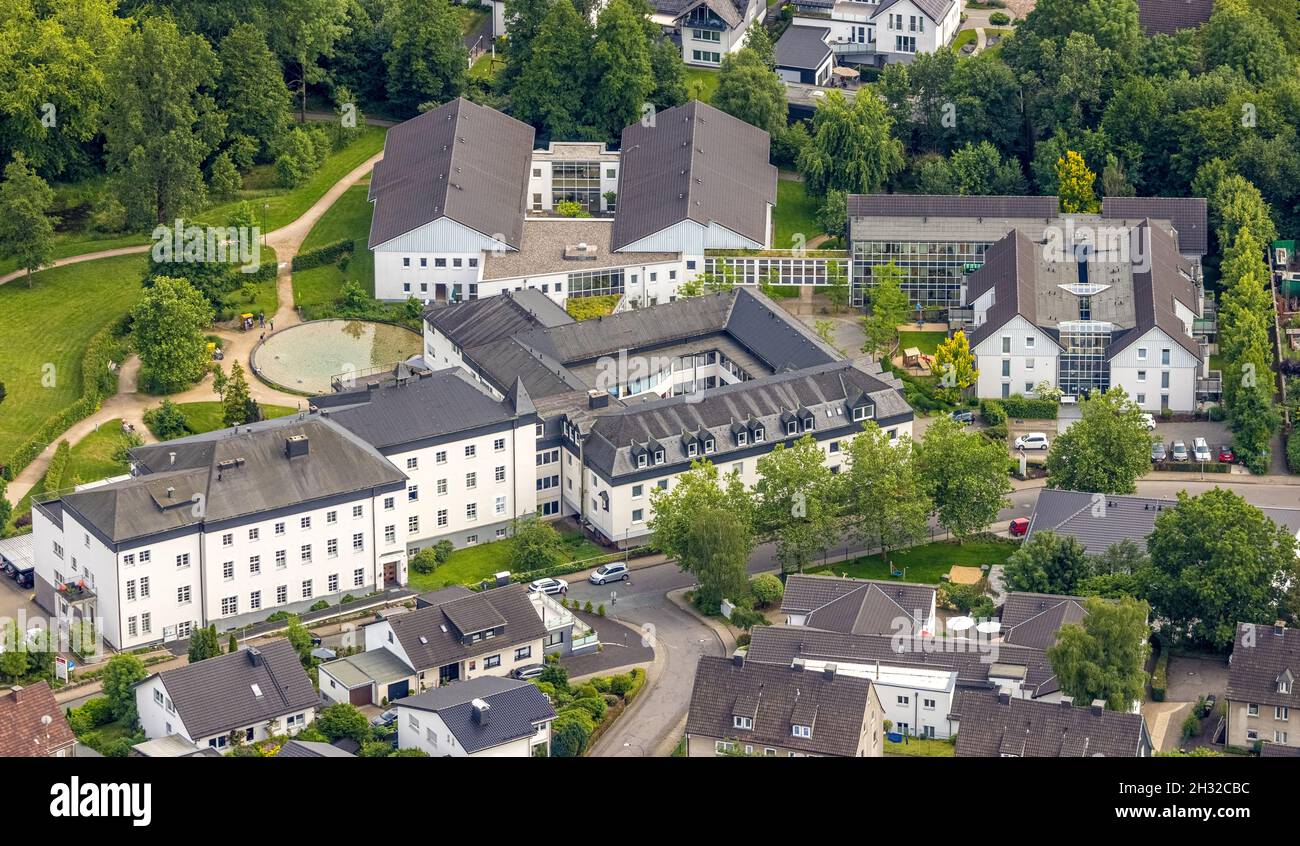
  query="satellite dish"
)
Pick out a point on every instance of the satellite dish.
point(989, 627)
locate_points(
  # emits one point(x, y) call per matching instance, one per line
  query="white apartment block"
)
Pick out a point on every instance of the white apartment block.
point(708, 29)
point(465, 208)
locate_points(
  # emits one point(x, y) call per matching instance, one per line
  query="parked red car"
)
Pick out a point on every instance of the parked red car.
point(1019, 527)
point(1226, 455)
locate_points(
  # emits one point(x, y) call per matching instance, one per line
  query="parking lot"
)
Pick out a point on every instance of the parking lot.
point(12, 600)
point(1215, 434)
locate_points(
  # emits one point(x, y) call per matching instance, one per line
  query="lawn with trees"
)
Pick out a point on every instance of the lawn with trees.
point(472, 564)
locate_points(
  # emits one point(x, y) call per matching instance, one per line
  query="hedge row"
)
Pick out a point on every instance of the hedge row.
point(1160, 674)
point(327, 254)
point(1030, 408)
point(993, 412)
point(58, 467)
point(1293, 452)
point(97, 382)
point(1192, 466)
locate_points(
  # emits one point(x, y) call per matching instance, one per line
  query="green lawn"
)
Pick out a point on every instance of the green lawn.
point(926, 563)
point(89, 460)
point(285, 206)
point(964, 37)
point(259, 298)
point(473, 564)
point(206, 416)
point(920, 747)
point(347, 218)
point(485, 67)
point(701, 83)
point(795, 213)
point(44, 332)
point(926, 342)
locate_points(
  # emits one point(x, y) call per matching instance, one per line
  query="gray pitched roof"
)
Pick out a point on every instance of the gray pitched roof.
point(514, 709)
point(730, 11)
point(424, 406)
point(1168, 16)
point(1073, 513)
point(857, 606)
point(777, 698)
point(993, 725)
point(803, 47)
point(1187, 215)
point(311, 749)
point(460, 160)
point(1261, 654)
point(694, 163)
point(1034, 619)
point(237, 472)
point(1161, 281)
point(1008, 269)
point(827, 390)
point(216, 695)
point(934, 9)
point(440, 634)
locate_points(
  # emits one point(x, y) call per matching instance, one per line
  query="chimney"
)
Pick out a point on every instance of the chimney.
point(255, 656)
point(171, 458)
point(295, 446)
point(170, 492)
point(1098, 705)
point(1067, 702)
point(738, 658)
point(481, 709)
point(828, 672)
point(371, 387)
point(597, 399)
point(18, 693)
point(1004, 698)
point(1279, 628)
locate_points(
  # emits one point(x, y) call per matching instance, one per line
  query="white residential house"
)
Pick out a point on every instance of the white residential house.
point(882, 32)
point(708, 29)
point(487, 717)
point(243, 696)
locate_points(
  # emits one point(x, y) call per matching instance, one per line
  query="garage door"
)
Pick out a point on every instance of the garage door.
point(359, 695)
point(397, 690)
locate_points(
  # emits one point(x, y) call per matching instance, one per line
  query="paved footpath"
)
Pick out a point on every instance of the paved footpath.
point(129, 405)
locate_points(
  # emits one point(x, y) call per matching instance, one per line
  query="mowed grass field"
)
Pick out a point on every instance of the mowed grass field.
point(51, 324)
point(287, 205)
point(347, 218)
point(795, 214)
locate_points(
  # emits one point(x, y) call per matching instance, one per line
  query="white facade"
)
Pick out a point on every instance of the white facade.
point(159, 718)
point(892, 33)
point(160, 588)
point(916, 701)
point(1014, 359)
point(425, 730)
point(498, 658)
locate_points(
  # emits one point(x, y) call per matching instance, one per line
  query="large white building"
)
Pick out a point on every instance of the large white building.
point(626, 402)
point(514, 410)
point(464, 207)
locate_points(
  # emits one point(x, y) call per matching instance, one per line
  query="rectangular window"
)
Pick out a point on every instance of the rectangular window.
point(492, 661)
point(390, 534)
point(358, 577)
point(333, 582)
point(331, 516)
point(255, 600)
point(279, 528)
point(306, 588)
point(358, 542)
point(254, 565)
point(304, 523)
point(470, 451)
point(281, 594)
point(499, 445)
point(228, 570)
point(442, 518)
point(412, 525)
point(183, 595)
point(471, 481)
point(500, 473)
point(471, 511)
point(182, 560)
point(332, 547)
point(305, 553)
point(442, 487)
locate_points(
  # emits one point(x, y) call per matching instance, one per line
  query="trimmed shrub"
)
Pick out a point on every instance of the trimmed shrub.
point(767, 589)
point(328, 254)
point(1160, 676)
point(1293, 452)
point(1030, 408)
point(999, 19)
point(993, 412)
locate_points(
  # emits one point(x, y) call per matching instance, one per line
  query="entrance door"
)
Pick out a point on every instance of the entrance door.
point(390, 573)
point(440, 292)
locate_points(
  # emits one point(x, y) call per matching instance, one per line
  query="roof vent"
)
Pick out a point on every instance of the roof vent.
point(255, 657)
point(295, 446)
point(481, 709)
point(581, 251)
point(171, 458)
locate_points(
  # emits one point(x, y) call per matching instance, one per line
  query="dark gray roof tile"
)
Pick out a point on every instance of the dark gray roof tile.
point(514, 710)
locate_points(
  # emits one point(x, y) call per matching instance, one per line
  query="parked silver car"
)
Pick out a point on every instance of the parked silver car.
point(1201, 450)
point(1178, 451)
point(608, 573)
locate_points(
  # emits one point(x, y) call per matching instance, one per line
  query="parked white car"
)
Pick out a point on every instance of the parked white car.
point(1032, 440)
point(1149, 421)
point(549, 586)
point(1201, 450)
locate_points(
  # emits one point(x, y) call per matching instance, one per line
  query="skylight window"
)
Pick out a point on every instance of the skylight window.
point(257, 691)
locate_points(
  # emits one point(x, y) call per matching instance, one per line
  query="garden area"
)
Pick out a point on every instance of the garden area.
point(583, 712)
point(700, 84)
point(926, 563)
point(347, 220)
point(795, 214)
point(926, 342)
point(48, 330)
point(100, 454)
point(587, 308)
point(472, 564)
point(921, 747)
point(199, 417)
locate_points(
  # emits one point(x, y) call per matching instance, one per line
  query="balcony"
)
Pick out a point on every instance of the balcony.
point(75, 592)
point(844, 47)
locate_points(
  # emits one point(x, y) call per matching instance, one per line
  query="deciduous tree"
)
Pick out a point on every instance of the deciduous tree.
point(1106, 450)
point(964, 474)
point(168, 325)
point(1103, 657)
point(798, 502)
point(885, 499)
point(1047, 563)
point(26, 227)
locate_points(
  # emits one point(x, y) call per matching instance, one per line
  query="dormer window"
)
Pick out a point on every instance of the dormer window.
point(708, 445)
point(659, 456)
point(641, 460)
point(742, 438)
point(758, 434)
point(746, 723)
point(792, 428)
point(691, 450)
point(801, 731)
point(808, 424)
